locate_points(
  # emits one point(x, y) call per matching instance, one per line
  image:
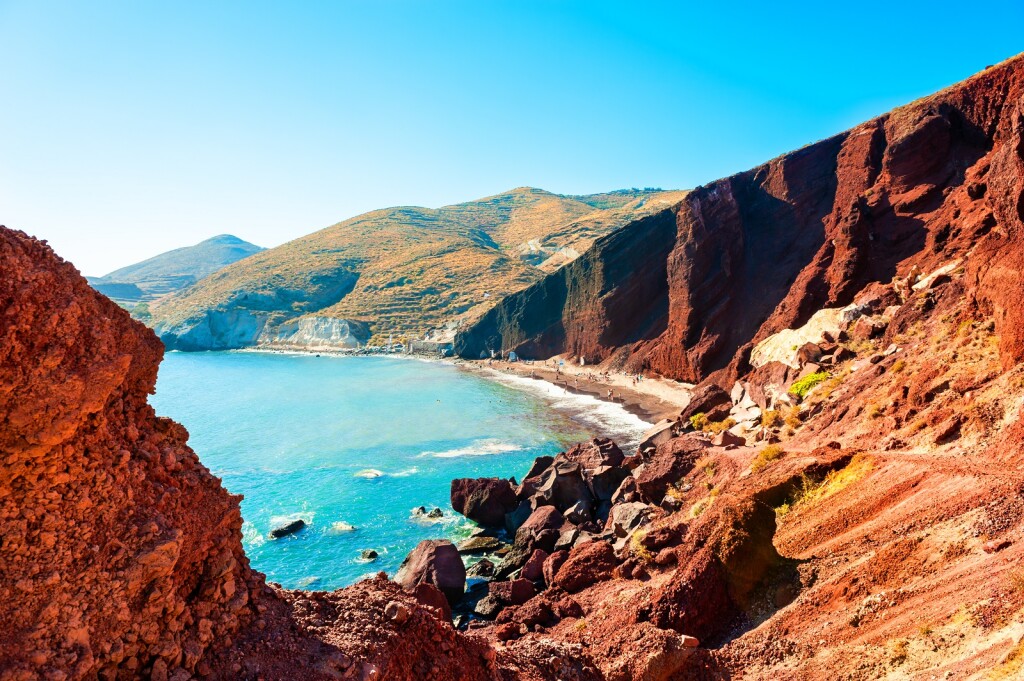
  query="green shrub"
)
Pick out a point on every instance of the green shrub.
point(805, 384)
point(718, 426)
point(699, 421)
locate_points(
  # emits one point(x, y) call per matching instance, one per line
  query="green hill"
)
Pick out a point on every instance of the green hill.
point(404, 271)
point(173, 270)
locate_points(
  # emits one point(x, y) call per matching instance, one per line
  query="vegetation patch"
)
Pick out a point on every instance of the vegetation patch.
point(637, 548)
point(699, 420)
point(771, 418)
point(766, 456)
point(813, 491)
point(718, 426)
point(808, 383)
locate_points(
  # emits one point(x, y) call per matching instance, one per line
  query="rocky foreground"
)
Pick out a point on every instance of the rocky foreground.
point(843, 498)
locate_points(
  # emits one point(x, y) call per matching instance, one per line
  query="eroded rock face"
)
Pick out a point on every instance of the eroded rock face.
point(763, 250)
point(122, 553)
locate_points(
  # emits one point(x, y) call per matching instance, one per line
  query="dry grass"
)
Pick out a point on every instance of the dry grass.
point(766, 456)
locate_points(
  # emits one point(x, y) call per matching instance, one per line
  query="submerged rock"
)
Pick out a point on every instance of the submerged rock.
point(369, 555)
point(287, 529)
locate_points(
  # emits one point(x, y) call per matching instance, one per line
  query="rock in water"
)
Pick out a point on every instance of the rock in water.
point(485, 500)
point(287, 529)
point(436, 513)
point(436, 562)
point(369, 555)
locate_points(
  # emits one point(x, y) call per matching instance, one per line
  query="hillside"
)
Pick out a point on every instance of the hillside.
point(403, 270)
point(173, 270)
point(842, 498)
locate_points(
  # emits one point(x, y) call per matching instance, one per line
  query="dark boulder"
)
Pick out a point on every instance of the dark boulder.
point(436, 562)
point(563, 485)
point(482, 568)
point(485, 500)
point(287, 529)
point(600, 451)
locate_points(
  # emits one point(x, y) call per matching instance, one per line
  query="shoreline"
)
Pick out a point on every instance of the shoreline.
point(651, 400)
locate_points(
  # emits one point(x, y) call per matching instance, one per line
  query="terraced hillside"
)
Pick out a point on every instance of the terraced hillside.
point(404, 271)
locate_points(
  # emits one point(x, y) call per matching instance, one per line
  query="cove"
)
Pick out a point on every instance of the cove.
point(353, 444)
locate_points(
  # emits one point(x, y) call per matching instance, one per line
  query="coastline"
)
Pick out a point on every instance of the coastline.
point(651, 400)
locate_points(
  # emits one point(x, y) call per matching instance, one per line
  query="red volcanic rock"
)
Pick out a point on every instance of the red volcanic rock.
point(669, 463)
point(706, 400)
point(534, 568)
point(563, 485)
point(552, 564)
point(762, 250)
point(430, 596)
point(544, 518)
point(587, 564)
point(485, 500)
point(117, 541)
point(436, 562)
point(600, 451)
point(513, 592)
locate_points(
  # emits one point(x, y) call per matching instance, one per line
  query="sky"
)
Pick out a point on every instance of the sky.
point(130, 128)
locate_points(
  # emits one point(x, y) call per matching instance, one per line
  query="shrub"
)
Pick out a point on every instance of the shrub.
point(766, 456)
point(899, 366)
point(636, 546)
point(719, 426)
point(807, 383)
point(771, 418)
point(793, 419)
point(699, 421)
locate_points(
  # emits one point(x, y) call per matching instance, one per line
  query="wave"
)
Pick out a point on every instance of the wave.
point(477, 448)
point(341, 527)
point(606, 418)
point(369, 473)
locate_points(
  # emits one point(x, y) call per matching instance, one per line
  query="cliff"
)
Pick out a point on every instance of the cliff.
point(762, 250)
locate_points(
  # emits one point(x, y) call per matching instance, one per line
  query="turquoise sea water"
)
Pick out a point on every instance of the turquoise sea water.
point(353, 444)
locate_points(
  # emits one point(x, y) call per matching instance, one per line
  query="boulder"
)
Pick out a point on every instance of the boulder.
point(808, 352)
point(579, 512)
point(604, 480)
point(669, 464)
point(436, 562)
point(533, 570)
point(488, 607)
point(477, 545)
point(513, 592)
point(600, 451)
point(564, 485)
point(552, 564)
point(706, 400)
point(368, 555)
point(624, 518)
point(431, 596)
point(484, 500)
point(587, 564)
point(728, 439)
point(435, 513)
point(660, 432)
point(866, 328)
point(534, 477)
point(482, 568)
point(515, 519)
point(287, 528)
point(627, 491)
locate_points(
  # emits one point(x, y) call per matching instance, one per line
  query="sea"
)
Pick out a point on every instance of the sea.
point(354, 445)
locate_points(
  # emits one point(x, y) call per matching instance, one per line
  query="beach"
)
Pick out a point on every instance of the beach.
point(651, 399)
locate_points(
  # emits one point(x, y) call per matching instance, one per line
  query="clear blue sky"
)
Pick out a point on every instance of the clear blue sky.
point(129, 128)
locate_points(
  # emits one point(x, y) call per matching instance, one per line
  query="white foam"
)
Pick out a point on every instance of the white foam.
point(606, 418)
point(341, 527)
point(305, 516)
point(484, 447)
point(369, 473)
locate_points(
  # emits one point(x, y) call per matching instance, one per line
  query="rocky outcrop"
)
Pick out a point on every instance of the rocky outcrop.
point(318, 332)
point(122, 553)
point(485, 500)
